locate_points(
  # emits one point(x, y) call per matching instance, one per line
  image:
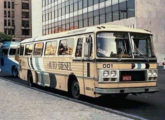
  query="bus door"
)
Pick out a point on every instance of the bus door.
point(89, 65)
point(38, 64)
point(79, 63)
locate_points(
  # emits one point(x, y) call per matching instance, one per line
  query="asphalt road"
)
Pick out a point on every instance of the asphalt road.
point(148, 106)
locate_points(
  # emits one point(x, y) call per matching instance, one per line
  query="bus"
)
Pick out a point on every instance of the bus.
point(93, 61)
point(8, 63)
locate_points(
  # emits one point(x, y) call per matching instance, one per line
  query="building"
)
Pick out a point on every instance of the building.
point(15, 18)
point(62, 15)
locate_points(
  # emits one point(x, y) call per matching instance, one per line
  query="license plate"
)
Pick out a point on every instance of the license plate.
point(127, 78)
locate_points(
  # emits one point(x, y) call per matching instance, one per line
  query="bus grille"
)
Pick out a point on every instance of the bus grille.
point(132, 76)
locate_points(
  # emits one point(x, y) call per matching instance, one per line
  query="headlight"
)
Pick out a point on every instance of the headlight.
point(113, 74)
point(155, 73)
point(152, 75)
point(106, 73)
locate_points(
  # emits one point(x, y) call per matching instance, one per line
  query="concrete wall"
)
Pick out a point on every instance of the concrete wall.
point(130, 22)
point(1, 15)
point(36, 18)
point(150, 15)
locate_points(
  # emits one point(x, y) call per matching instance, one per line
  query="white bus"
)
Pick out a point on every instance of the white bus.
point(93, 61)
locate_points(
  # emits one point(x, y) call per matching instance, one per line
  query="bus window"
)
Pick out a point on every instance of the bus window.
point(79, 47)
point(51, 48)
point(12, 51)
point(66, 47)
point(38, 49)
point(21, 49)
point(5, 52)
point(28, 49)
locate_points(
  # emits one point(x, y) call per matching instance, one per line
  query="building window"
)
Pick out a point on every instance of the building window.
point(25, 5)
point(25, 32)
point(131, 8)
point(5, 31)
point(5, 4)
point(5, 22)
point(8, 4)
point(25, 23)
point(8, 13)
point(13, 5)
point(9, 23)
point(13, 23)
point(25, 14)
point(5, 13)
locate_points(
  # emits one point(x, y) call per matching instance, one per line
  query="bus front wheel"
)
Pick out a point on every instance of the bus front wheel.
point(75, 89)
point(14, 72)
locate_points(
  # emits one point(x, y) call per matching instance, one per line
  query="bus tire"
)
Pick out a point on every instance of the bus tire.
point(14, 72)
point(30, 79)
point(75, 89)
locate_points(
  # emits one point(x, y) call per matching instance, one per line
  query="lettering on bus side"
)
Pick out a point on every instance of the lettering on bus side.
point(60, 65)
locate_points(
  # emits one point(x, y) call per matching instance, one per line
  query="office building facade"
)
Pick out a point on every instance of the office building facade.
point(15, 18)
point(61, 15)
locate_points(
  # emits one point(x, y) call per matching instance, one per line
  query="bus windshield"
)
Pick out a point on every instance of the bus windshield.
point(142, 46)
point(118, 45)
point(113, 45)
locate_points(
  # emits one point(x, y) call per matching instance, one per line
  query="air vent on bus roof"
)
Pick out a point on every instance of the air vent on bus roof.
point(100, 27)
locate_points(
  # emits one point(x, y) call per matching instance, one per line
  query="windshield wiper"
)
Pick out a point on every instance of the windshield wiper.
point(140, 54)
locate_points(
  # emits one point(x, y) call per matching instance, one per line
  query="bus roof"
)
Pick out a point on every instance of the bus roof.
point(92, 29)
point(8, 44)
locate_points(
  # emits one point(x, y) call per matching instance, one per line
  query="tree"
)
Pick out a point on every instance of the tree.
point(4, 37)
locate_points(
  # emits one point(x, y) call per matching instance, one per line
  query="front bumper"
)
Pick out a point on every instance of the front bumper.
point(126, 90)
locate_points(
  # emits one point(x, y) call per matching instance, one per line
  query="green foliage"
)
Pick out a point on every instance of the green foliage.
point(4, 37)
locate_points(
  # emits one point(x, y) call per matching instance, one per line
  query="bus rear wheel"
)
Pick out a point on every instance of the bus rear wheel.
point(75, 90)
point(30, 79)
point(14, 72)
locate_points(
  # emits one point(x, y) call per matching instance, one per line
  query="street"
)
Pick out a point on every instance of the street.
point(147, 106)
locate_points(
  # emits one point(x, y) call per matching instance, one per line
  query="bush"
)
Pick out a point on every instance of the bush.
point(4, 37)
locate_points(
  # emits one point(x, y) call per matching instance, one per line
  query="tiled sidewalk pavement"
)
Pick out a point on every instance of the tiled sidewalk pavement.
point(21, 103)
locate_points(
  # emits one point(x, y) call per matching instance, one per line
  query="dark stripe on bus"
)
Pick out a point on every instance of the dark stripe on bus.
point(88, 69)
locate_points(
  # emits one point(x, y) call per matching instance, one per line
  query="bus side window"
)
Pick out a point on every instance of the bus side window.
point(66, 47)
point(28, 49)
point(21, 51)
point(51, 48)
point(5, 52)
point(79, 48)
point(38, 49)
point(12, 51)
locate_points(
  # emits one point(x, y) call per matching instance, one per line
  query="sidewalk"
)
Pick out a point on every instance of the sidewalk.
point(21, 103)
